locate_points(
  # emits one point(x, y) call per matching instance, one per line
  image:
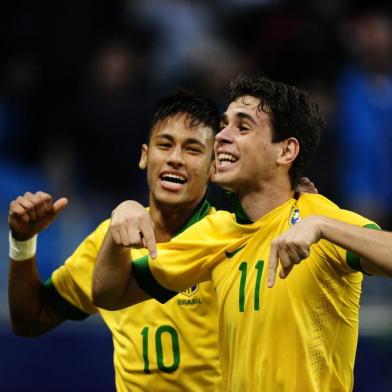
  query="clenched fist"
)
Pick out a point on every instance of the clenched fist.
point(33, 212)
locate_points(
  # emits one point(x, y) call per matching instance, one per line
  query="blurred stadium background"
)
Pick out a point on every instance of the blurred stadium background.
point(78, 81)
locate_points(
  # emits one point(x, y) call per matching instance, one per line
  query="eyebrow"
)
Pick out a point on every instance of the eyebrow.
point(246, 116)
point(187, 141)
point(241, 115)
point(165, 136)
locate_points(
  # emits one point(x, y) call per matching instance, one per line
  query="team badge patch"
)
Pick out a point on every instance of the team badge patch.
point(191, 291)
point(294, 217)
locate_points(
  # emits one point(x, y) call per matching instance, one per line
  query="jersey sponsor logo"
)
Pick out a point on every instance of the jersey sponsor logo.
point(294, 217)
point(229, 255)
point(193, 301)
point(191, 291)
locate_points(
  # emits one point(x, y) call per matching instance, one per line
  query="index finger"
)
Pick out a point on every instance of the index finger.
point(149, 237)
point(272, 265)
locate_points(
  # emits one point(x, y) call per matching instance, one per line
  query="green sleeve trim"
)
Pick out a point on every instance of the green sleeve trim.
point(146, 281)
point(352, 259)
point(61, 305)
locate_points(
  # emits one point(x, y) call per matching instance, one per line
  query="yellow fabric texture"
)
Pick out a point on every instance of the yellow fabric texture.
point(300, 335)
point(171, 347)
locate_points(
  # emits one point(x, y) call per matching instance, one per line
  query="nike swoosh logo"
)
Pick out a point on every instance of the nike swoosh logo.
point(229, 255)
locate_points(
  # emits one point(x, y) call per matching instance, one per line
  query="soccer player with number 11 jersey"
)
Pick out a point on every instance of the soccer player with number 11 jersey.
point(301, 334)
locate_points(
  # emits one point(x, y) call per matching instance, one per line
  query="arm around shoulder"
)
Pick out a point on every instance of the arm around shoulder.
point(113, 284)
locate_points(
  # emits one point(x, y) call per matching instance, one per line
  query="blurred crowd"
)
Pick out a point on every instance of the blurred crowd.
point(79, 79)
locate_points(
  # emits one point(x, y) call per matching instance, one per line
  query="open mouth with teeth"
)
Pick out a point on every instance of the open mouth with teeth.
point(172, 182)
point(225, 159)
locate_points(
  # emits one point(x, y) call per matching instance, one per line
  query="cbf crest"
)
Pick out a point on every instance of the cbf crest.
point(294, 217)
point(191, 291)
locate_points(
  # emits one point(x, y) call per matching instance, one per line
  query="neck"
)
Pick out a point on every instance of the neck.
point(261, 201)
point(169, 219)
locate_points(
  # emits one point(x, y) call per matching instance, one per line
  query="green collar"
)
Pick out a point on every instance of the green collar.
point(201, 211)
point(236, 207)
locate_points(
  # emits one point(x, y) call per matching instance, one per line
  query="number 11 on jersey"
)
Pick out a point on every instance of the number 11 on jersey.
point(244, 271)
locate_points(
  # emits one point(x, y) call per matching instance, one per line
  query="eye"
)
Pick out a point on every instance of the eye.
point(243, 128)
point(164, 146)
point(194, 150)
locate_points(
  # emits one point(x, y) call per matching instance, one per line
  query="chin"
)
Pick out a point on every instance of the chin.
point(172, 199)
point(223, 180)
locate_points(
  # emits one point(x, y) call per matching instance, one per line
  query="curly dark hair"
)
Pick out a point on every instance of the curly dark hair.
point(197, 109)
point(292, 113)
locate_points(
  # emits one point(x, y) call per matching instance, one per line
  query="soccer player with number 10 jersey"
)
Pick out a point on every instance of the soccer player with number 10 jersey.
point(170, 347)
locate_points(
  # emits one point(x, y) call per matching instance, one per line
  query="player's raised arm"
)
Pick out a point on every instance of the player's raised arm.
point(374, 247)
point(28, 215)
point(113, 284)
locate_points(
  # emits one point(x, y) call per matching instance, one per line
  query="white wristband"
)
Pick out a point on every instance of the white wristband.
point(22, 250)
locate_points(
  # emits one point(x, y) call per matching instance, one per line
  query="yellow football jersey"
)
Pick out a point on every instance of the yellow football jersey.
point(171, 347)
point(301, 335)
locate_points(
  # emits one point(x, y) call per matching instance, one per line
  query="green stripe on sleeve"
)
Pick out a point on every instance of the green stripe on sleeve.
point(61, 305)
point(352, 259)
point(146, 281)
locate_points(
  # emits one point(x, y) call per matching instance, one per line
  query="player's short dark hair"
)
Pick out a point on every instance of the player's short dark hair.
point(199, 110)
point(292, 113)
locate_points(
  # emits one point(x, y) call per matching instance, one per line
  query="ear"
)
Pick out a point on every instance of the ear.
point(289, 151)
point(143, 157)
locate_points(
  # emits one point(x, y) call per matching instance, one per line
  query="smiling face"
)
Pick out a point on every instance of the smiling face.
point(178, 160)
point(245, 156)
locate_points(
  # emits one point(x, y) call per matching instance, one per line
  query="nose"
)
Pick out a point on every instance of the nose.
point(224, 136)
point(176, 158)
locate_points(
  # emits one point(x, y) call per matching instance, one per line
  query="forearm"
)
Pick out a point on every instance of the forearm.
point(112, 274)
point(30, 316)
point(29, 215)
point(374, 247)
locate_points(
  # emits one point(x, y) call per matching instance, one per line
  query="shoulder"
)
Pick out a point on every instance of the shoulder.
point(314, 204)
point(209, 226)
point(215, 218)
point(101, 229)
point(95, 238)
point(103, 226)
